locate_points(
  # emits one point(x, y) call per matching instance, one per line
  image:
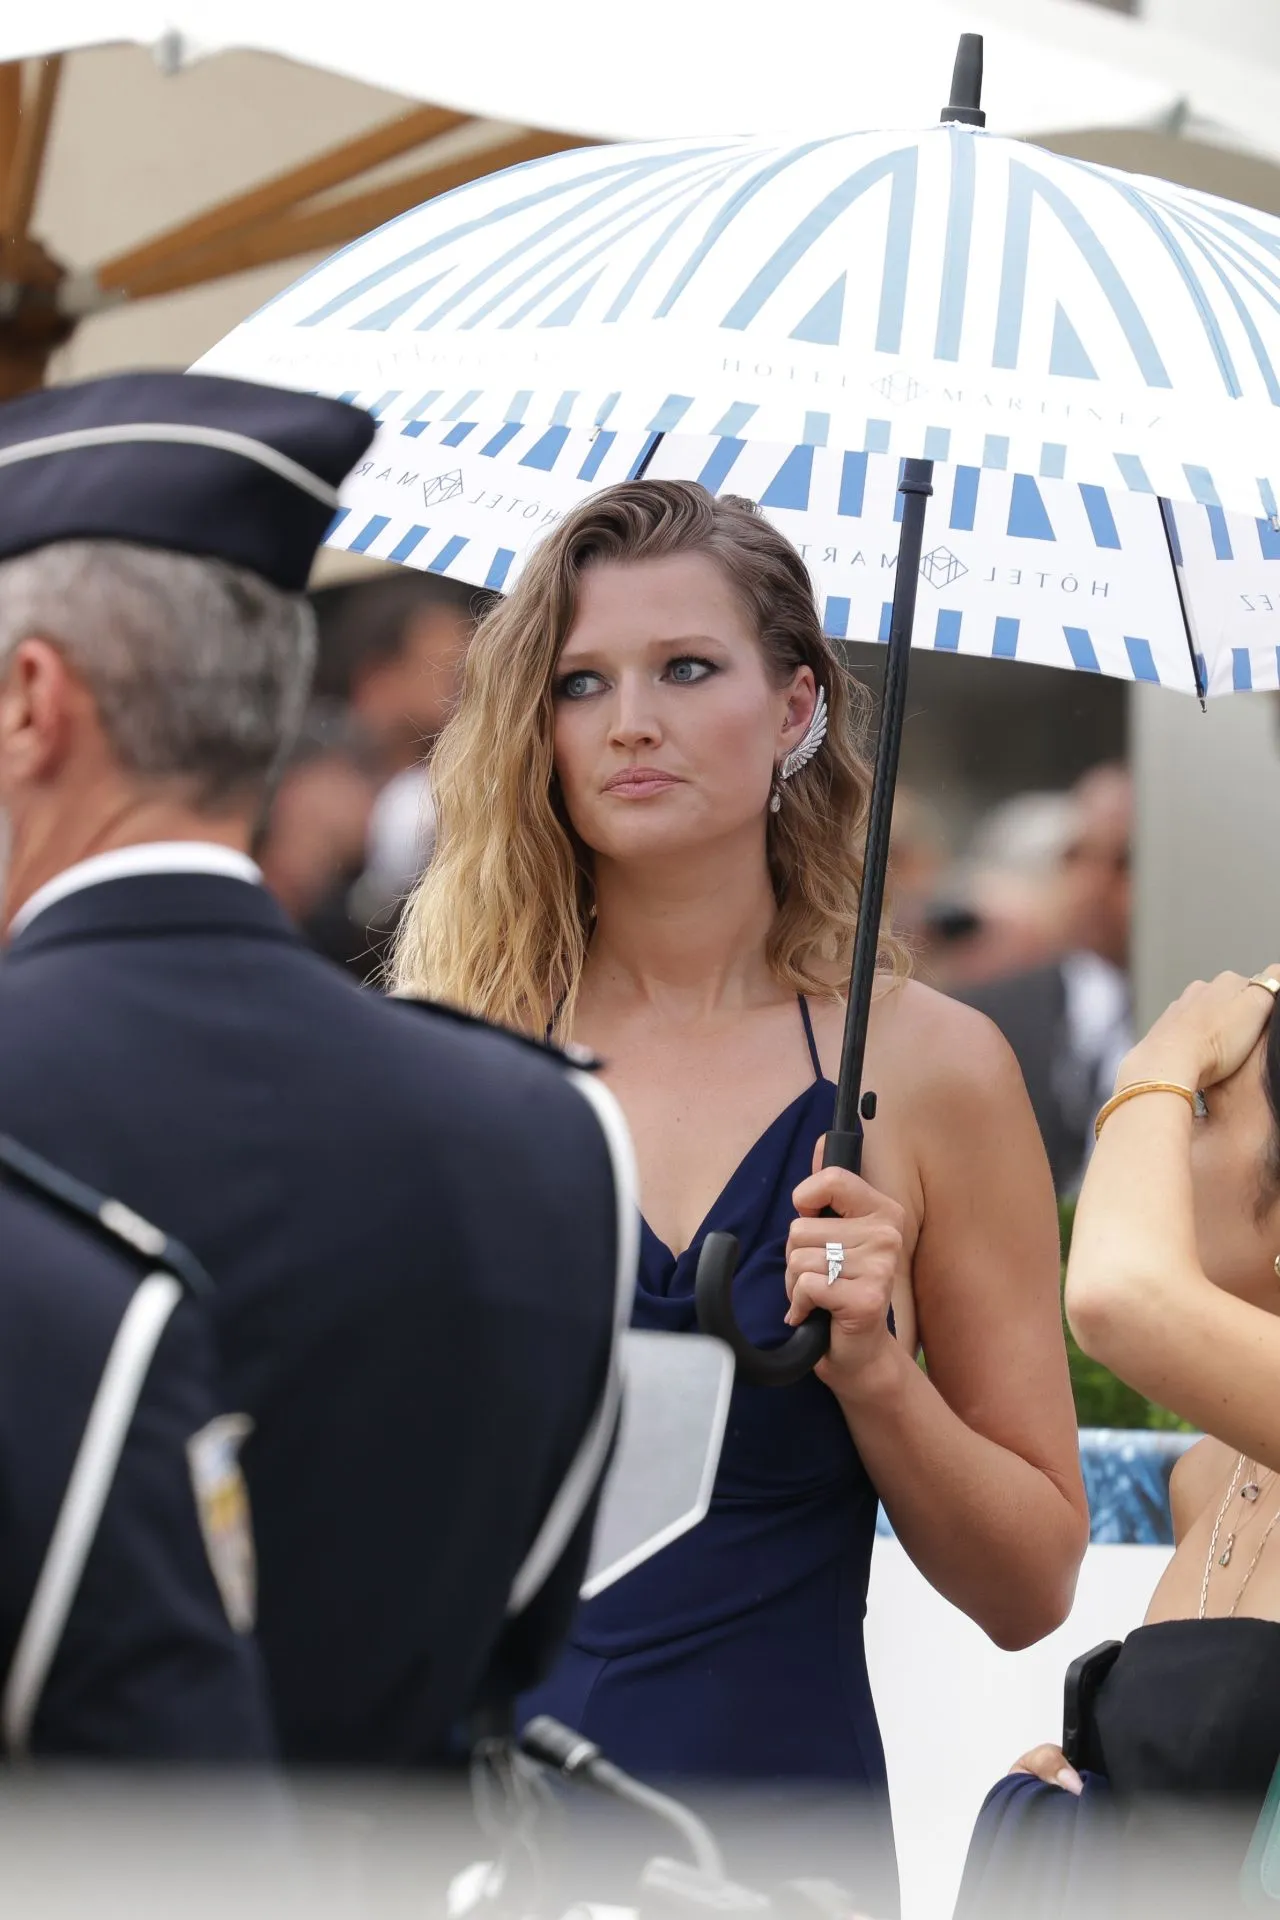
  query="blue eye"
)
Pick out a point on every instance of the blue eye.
point(687, 670)
point(576, 686)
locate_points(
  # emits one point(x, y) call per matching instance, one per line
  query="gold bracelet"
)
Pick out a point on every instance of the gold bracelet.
point(1143, 1086)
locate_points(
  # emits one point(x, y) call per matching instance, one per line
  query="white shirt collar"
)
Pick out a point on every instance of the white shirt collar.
point(1097, 1000)
point(155, 856)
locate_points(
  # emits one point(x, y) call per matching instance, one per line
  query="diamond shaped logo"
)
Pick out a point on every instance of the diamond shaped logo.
point(445, 486)
point(941, 567)
point(898, 388)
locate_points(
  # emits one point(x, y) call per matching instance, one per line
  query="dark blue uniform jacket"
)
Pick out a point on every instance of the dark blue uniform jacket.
point(411, 1224)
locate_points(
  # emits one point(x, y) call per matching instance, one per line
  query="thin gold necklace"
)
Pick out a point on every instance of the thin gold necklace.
point(1249, 1493)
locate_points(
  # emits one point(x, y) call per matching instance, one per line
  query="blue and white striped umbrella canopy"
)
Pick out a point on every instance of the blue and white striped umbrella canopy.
point(1015, 566)
point(1089, 357)
point(946, 293)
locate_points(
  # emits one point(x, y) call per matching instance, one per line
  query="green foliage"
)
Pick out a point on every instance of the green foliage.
point(1101, 1399)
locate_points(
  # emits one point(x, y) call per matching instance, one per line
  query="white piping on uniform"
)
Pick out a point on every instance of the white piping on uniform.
point(88, 1488)
point(579, 1484)
point(173, 434)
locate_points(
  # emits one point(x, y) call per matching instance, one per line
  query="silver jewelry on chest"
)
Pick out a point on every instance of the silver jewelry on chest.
point(1249, 1493)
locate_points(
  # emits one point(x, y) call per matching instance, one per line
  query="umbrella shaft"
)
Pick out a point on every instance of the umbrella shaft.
point(915, 486)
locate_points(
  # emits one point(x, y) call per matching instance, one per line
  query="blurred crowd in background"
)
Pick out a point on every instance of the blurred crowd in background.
point(1024, 911)
point(351, 827)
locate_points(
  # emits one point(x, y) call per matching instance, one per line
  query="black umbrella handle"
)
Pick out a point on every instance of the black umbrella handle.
point(713, 1289)
point(713, 1295)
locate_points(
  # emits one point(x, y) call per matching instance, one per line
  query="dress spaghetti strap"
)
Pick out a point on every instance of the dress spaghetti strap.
point(808, 1034)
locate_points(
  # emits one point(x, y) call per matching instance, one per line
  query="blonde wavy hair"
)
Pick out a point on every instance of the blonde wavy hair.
point(501, 922)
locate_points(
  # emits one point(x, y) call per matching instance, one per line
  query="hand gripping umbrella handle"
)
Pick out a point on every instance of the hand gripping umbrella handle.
point(713, 1296)
point(782, 1366)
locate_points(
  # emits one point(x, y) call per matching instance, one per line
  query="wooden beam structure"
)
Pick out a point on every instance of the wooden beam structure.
point(22, 177)
point(242, 212)
point(10, 110)
point(319, 229)
point(299, 211)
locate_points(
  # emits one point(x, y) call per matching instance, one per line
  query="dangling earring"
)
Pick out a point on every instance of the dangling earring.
point(1277, 1266)
point(775, 806)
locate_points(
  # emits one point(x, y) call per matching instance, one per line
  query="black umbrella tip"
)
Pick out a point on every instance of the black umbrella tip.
point(965, 104)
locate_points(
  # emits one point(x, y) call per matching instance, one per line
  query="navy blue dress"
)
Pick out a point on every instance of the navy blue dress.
point(735, 1656)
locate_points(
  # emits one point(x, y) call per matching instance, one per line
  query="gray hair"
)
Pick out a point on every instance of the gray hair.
point(199, 670)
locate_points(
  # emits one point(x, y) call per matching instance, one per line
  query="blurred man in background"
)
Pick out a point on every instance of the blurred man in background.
point(317, 831)
point(389, 654)
point(918, 857)
point(1069, 1020)
point(999, 911)
point(390, 649)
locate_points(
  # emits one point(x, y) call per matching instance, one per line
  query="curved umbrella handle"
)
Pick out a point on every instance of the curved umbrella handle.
point(758, 1366)
point(713, 1287)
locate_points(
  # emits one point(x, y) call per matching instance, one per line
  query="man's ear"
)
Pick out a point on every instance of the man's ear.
point(39, 694)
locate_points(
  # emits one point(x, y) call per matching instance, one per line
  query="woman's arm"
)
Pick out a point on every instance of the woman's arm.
point(978, 1462)
point(1138, 1297)
point(1198, 1476)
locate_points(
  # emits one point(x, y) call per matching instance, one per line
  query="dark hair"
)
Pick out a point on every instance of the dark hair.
point(363, 623)
point(1271, 1087)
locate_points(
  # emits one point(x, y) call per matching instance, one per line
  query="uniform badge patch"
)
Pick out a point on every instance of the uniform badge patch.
point(222, 1503)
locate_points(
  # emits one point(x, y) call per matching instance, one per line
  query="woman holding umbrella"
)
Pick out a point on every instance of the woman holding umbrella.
point(649, 805)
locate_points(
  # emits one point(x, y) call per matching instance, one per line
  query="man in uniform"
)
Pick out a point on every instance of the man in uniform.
point(124, 1544)
point(414, 1223)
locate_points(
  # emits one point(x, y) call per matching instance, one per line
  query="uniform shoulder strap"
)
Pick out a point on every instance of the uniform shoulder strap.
point(121, 1225)
point(572, 1058)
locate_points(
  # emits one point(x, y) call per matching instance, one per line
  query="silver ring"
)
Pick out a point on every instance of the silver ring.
point(835, 1261)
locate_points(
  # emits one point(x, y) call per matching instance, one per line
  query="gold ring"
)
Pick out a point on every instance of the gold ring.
point(1266, 980)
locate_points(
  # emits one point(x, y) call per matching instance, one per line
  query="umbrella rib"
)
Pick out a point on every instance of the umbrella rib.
point(22, 181)
point(244, 211)
point(1167, 527)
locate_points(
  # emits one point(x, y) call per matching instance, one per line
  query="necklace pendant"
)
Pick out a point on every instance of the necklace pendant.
point(1250, 1491)
point(1224, 1558)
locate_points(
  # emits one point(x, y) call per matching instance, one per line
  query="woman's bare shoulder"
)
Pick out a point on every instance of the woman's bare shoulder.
point(936, 1042)
point(929, 1042)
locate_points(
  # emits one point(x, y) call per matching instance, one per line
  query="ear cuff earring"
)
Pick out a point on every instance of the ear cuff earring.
point(802, 753)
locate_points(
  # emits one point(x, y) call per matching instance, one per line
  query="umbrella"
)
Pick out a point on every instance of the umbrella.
point(1075, 360)
point(501, 86)
point(1017, 566)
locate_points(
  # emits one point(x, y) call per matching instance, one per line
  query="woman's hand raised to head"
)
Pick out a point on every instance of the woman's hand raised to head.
point(1171, 1277)
point(1050, 1764)
point(1206, 1035)
point(870, 1229)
